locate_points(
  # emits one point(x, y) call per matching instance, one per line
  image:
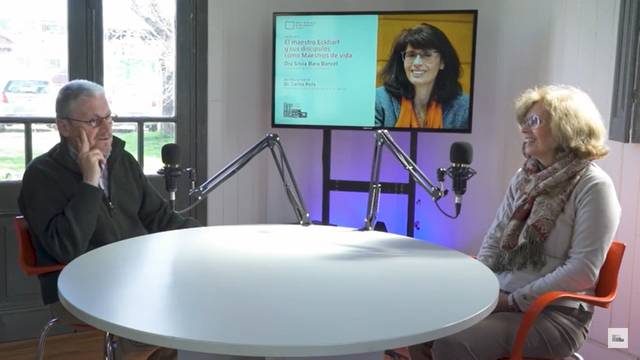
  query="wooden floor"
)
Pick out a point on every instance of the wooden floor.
point(85, 345)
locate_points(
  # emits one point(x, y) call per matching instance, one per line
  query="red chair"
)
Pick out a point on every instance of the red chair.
point(28, 264)
point(606, 288)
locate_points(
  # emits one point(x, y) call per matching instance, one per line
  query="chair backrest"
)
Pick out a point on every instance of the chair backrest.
point(26, 252)
point(607, 285)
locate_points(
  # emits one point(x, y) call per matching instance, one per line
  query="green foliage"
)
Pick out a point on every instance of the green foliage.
point(153, 142)
point(12, 159)
point(11, 167)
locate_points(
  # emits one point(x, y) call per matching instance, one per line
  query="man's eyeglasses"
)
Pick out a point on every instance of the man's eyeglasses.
point(412, 55)
point(532, 121)
point(97, 121)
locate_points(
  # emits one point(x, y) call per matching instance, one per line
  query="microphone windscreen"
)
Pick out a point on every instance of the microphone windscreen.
point(171, 154)
point(461, 153)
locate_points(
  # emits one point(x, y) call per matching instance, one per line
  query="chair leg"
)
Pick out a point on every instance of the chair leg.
point(43, 338)
point(109, 347)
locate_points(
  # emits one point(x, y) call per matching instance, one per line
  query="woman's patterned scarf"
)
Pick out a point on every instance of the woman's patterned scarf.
point(542, 195)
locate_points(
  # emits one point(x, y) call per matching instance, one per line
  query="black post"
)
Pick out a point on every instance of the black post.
point(411, 199)
point(326, 175)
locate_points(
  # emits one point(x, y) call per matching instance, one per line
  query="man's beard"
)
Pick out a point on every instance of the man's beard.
point(107, 151)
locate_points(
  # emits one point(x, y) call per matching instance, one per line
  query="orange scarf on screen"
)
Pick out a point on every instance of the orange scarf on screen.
point(409, 119)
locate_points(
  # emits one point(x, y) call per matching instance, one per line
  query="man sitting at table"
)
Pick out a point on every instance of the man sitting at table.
point(87, 191)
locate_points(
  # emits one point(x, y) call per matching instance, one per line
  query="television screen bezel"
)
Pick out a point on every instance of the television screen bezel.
point(398, 12)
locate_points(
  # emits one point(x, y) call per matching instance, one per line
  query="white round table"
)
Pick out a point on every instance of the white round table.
point(278, 290)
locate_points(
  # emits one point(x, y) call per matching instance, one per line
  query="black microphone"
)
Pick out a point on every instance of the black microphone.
point(460, 155)
point(171, 170)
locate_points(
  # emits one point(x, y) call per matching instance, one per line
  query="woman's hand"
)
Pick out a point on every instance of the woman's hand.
point(503, 304)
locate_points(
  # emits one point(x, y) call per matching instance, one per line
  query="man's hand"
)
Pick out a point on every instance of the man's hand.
point(90, 160)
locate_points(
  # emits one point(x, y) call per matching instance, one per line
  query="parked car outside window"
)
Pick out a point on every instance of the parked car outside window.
point(27, 97)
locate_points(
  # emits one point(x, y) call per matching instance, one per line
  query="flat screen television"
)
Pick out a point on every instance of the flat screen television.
point(368, 70)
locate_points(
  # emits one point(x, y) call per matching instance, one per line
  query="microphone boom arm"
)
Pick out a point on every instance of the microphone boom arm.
point(384, 138)
point(271, 141)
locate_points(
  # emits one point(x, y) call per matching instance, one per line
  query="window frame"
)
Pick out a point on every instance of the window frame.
point(85, 61)
point(625, 114)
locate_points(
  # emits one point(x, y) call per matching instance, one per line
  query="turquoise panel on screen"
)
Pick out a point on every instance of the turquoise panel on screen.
point(325, 70)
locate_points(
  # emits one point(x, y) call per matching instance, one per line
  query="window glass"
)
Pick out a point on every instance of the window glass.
point(128, 132)
point(44, 137)
point(139, 56)
point(155, 136)
point(12, 157)
point(33, 56)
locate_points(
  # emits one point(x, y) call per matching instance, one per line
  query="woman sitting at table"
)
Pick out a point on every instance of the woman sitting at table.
point(551, 232)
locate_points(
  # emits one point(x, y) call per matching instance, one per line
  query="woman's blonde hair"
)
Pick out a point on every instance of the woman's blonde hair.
point(576, 123)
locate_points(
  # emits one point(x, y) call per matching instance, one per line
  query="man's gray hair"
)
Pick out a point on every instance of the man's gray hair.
point(71, 92)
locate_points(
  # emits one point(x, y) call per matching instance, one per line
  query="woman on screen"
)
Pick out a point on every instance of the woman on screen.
point(551, 232)
point(421, 88)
